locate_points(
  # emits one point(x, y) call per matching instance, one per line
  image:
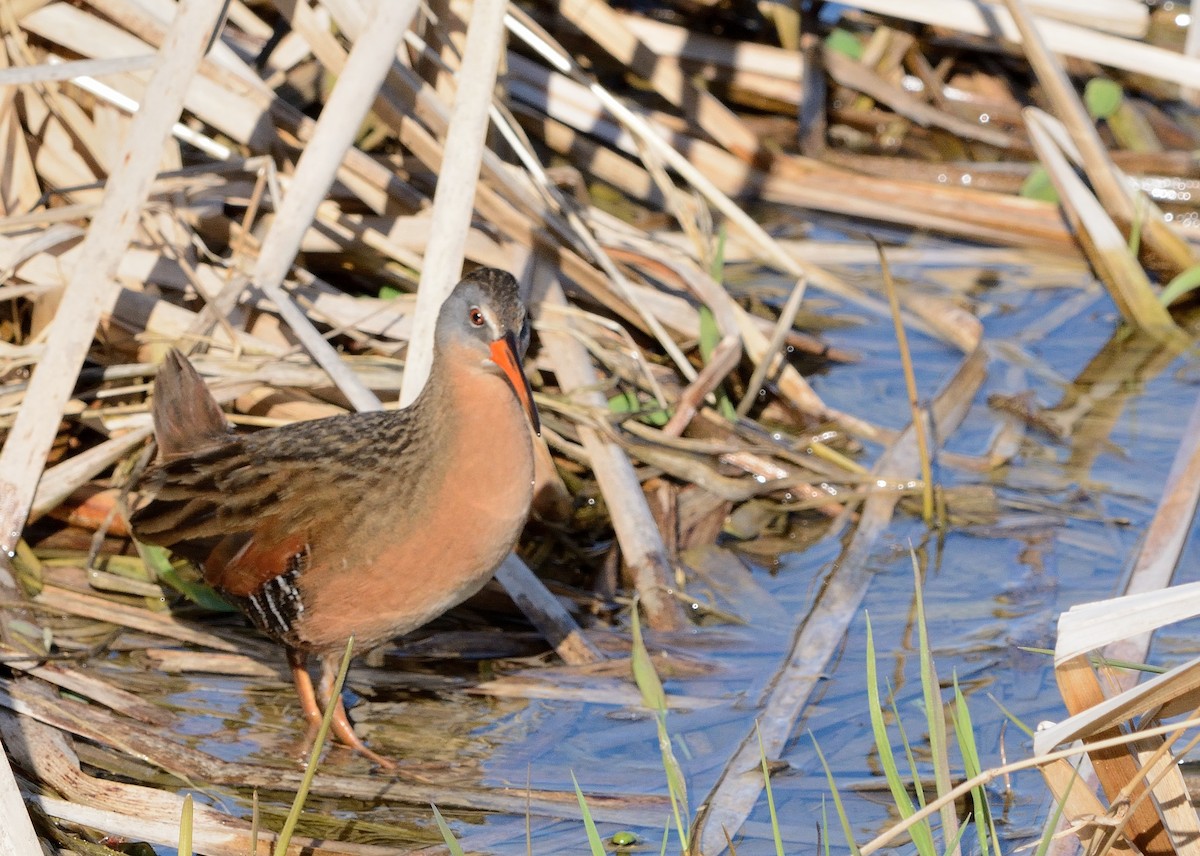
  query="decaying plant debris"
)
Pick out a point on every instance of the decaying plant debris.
point(280, 234)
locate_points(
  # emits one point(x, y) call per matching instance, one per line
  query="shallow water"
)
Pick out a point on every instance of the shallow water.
point(1075, 510)
point(1071, 514)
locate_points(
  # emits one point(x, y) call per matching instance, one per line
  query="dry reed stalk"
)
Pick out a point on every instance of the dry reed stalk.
point(914, 399)
point(1080, 811)
point(1067, 38)
point(101, 609)
point(1162, 545)
point(453, 202)
point(153, 746)
point(364, 71)
point(98, 690)
point(19, 189)
point(609, 30)
point(766, 63)
point(724, 360)
point(557, 684)
point(1148, 604)
point(768, 357)
point(1118, 772)
point(641, 543)
point(1191, 48)
point(84, 299)
point(1166, 247)
point(740, 783)
point(16, 829)
point(1100, 239)
point(57, 482)
point(545, 613)
point(142, 813)
point(979, 215)
point(591, 246)
point(25, 75)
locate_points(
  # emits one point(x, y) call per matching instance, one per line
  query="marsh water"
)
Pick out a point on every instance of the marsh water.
point(1059, 525)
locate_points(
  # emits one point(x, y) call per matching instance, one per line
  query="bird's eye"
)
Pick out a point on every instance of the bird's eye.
point(476, 316)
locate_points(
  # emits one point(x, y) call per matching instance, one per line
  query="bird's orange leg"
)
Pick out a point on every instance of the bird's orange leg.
point(341, 723)
point(297, 661)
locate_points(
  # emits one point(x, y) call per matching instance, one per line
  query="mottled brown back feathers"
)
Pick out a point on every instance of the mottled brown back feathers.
point(216, 493)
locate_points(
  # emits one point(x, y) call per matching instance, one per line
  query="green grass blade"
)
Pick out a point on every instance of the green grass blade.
point(935, 716)
point(710, 334)
point(762, 754)
point(158, 560)
point(824, 827)
point(185, 827)
point(310, 770)
point(447, 835)
point(837, 800)
point(1183, 283)
point(1012, 717)
point(921, 835)
point(676, 785)
point(1098, 661)
point(644, 675)
point(913, 767)
point(953, 846)
point(590, 825)
point(1055, 817)
point(653, 696)
point(717, 267)
point(964, 731)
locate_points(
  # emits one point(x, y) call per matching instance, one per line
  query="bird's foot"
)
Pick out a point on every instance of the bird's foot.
point(344, 732)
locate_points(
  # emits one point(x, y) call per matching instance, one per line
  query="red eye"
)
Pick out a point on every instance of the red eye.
point(476, 316)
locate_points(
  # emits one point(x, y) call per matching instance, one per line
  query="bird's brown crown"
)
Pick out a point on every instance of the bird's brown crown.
point(484, 307)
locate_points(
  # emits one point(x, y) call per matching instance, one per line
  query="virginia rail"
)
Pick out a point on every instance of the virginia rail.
point(365, 524)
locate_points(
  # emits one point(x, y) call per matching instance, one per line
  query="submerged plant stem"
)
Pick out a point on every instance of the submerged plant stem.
point(910, 385)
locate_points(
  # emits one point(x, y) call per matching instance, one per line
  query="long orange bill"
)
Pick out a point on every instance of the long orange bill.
point(504, 354)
